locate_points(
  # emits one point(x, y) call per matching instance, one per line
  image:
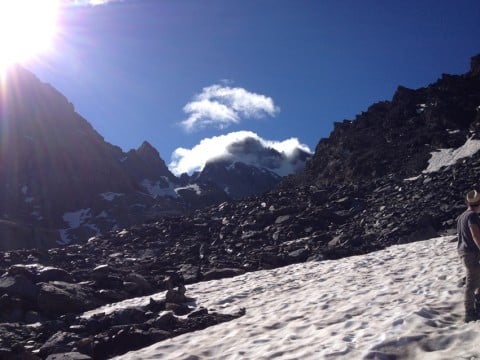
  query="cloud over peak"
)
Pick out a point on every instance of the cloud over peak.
point(221, 106)
point(281, 157)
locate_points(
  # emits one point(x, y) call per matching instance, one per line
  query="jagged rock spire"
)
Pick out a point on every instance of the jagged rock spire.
point(475, 65)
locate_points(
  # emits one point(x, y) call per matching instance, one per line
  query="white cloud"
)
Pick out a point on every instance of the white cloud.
point(222, 106)
point(283, 157)
point(88, 2)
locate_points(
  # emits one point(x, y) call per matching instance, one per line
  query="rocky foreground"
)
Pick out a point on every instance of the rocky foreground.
point(43, 292)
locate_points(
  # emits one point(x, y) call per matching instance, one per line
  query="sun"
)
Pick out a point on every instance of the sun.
point(27, 28)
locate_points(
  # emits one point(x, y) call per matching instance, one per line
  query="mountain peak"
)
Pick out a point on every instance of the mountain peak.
point(150, 155)
point(475, 65)
point(147, 148)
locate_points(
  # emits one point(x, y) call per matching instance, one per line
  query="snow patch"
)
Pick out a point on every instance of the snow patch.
point(412, 178)
point(37, 214)
point(74, 220)
point(123, 233)
point(451, 132)
point(193, 187)
point(447, 157)
point(92, 239)
point(421, 108)
point(138, 205)
point(110, 196)
point(27, 199)
point(156, 189)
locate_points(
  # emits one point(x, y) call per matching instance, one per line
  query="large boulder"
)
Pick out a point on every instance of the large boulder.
point(58, 298)
point(12, 309)
point(18, 285)
point(54, 274)
point(60, 342)
point(139, 283)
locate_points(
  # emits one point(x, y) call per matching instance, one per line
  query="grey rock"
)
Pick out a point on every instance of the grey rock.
point(69, 356)
point(54, 274)
point(60, 342)
point(142, 284)
point(222, 273)
point(18, 285)
point(58, 298)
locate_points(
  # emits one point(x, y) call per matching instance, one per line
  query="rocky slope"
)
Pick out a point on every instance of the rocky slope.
point(396, 137)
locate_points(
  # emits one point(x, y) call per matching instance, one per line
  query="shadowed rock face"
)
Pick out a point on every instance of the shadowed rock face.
point(52, 161)
point(237, 179)
point(51, 157)
point(146, 163)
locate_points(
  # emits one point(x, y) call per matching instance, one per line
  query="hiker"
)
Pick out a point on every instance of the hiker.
point(468, 229)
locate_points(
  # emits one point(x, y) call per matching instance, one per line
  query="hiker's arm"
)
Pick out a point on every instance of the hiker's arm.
point(475, 230)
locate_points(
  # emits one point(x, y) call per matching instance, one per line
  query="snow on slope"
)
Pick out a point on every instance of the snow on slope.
point(110, 196)
point(156, 188)
point(403, 301)
point(193, 187)
point(447, 157)
point(74, 220)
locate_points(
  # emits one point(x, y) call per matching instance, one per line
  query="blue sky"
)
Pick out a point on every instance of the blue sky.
point(176, 72)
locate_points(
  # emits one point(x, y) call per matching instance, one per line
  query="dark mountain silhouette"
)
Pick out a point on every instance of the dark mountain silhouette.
point(52, 159)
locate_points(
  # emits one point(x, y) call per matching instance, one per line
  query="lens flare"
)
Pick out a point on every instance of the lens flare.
point(27, 28)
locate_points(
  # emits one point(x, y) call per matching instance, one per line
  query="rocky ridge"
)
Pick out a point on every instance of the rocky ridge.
point(396, 137)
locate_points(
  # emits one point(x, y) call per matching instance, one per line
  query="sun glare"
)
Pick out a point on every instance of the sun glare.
point(27, 28)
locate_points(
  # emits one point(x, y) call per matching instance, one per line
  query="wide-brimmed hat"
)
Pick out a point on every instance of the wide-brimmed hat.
point(473, 197)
